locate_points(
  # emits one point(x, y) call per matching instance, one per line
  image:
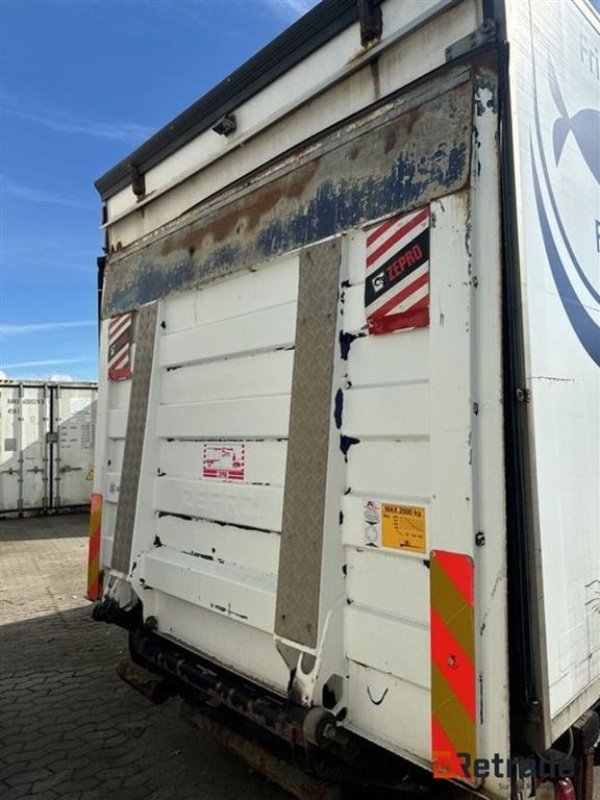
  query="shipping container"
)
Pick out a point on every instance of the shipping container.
point(47, 433)
point(347, 489)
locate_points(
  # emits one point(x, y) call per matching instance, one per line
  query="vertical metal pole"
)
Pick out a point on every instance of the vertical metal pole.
point(46, 445)
point(57, 445)
point(20, 450)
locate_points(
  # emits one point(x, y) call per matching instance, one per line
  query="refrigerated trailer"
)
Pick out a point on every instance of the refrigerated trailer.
point(348, 455)
point(47, 433)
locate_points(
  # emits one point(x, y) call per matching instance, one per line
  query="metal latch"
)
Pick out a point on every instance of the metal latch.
point(69, 468)
point(485, 34)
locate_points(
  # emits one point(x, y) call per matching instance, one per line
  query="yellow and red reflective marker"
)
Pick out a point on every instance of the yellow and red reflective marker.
point(453, 685)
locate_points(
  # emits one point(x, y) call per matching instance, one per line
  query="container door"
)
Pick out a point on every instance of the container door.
point(74, 410)
point(23, 462)
point(10, 460)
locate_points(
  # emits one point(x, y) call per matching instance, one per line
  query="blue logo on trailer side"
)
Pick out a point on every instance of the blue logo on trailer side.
point(584, 127)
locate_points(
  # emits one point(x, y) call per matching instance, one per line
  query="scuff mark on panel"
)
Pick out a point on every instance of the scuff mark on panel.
point(381, 699)
point(346, 443)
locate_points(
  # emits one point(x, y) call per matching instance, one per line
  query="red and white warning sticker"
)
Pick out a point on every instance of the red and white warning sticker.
point(119, 347)
point(224, 461)
point(397, 276)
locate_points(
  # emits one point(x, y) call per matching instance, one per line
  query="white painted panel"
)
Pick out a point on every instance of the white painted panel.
point(261, 374)
point(355, 318)
point(224, 589)
point(402, 716)
point(389, 468)
point(397, 412)
point(117, 423)
point(554, 75)
point(273, 284)
point(387, 644)
point(246, 418)
point(451, 418)
point(115, 450)
point(178, 312)
point(264, 460)
point(254, 506)
point(249, 651)
point(393, 358)
point(262, 330)
point(119, 392)
point(420, 52)
point(252, 549)
point(357, 245)
point(396, 584)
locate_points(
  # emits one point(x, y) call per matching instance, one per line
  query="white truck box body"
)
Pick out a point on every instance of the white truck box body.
point(236, 457)
point(556, 101)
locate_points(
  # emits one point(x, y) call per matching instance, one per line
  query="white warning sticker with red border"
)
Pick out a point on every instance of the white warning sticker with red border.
point(224, 461)
point(397, 273)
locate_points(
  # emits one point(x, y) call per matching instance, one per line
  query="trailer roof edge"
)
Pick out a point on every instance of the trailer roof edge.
point(314, 29)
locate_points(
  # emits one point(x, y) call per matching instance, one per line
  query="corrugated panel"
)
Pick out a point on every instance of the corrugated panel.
point(136, 425)
point(308, 446)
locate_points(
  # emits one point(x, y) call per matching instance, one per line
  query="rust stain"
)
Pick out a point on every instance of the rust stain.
point(411, 118)
point(244, 215)
point(390, 141)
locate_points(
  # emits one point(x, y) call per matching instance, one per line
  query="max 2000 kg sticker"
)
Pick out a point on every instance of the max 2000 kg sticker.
point(394, 525)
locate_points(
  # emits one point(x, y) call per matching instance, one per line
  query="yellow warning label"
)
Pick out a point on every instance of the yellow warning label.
point(90, 475)
point(403, 527)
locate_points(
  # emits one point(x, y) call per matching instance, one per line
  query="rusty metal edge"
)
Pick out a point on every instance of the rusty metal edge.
point(276, 769)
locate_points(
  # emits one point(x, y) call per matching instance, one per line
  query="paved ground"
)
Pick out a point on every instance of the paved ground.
point(70, 729)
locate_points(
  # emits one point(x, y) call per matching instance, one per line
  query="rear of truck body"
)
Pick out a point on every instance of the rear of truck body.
point(348, 450)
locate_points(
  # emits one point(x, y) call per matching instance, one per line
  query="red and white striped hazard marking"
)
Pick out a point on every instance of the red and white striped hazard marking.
point(119, 347)
point(397, 279)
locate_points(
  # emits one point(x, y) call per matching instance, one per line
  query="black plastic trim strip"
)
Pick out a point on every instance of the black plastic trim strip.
point(296, 43)
point(523, 676)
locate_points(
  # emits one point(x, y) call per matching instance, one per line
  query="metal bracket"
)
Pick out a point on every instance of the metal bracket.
point(371, 21)
point(484, 34)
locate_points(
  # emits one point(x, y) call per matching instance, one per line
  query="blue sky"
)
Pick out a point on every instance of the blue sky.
point(82, 83)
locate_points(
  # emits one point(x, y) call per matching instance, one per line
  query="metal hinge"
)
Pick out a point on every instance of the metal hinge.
point(485, 34)
point(523, 395)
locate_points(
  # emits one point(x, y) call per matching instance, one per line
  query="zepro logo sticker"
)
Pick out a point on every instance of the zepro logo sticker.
point(566, 181)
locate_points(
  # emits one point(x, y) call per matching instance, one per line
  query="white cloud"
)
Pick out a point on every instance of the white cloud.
point(21, 329)
point(34, 195)
point(129, 132)
point(46, 362)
